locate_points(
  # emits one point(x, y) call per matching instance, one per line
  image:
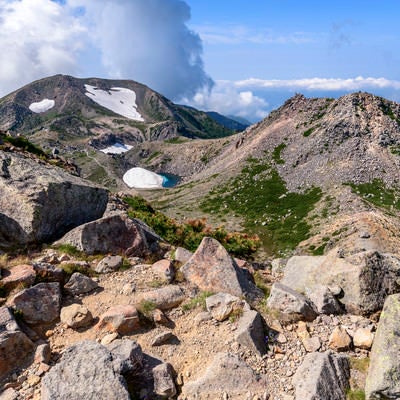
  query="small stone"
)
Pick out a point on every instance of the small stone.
point(123, 319)
point(339, 340)
point(159, 317)
point(221, 305)
point(281, 338)
point(163, 380)
point(312, 344)
point(76, 316)
point(33, 380)
point(109, 338)
point(365, 235)
point(109, 264)
point(9, 394)
point(42, 354)
point(80, 284)
point(363, 338)
point(164, 270)
point(162, 338)
point(128, 289)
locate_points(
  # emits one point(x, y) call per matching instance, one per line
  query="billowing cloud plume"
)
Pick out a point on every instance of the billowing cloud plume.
point(37, 38)
point(147, 41)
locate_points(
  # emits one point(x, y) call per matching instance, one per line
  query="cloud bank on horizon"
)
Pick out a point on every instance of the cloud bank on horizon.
point(150, 42)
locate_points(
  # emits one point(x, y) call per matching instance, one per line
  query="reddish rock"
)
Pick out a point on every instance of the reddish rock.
point(39, 304)
point(212, 269)
point(164, 270)
point(21, 275)
point(123, 319)
point(340, 340)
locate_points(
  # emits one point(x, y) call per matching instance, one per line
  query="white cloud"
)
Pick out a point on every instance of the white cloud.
point(37, 38)
point(239, 34)
point(320, 84)
point(227, 99)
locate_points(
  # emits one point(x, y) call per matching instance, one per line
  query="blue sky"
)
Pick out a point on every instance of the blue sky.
point(236, 57)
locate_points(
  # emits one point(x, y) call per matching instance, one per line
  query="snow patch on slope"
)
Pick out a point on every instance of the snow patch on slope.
point(42, 106)
point(117, 148)
point(141, 178)
point(120, 100)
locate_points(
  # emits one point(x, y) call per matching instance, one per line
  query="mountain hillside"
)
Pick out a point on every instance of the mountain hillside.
point(305, 171)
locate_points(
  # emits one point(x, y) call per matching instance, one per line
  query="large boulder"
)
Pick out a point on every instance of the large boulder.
point(322, 376)
point(212, 269)
point(39, 203)
point(39, 304)
point(15, 346)
point(383, 380)
point(114, 234)
point(87, 370)
point(227, 375)
point(366, 278)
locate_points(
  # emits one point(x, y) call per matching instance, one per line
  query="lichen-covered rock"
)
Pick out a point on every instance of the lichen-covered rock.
point(114, 234)
point(86, 371)
point(15, 346)
point(39, 203)
point(39, 304)
point(212, 269)
point(383, 380)
point(322, 376)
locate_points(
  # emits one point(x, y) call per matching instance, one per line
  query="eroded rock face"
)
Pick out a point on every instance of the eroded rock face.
point(228, 374)
point(212, 269)
point(87, 370)
point(15, 346)
point(113, 234)
point(383, 380)
point(322, 376)
point(366, 278)
point(39, 203)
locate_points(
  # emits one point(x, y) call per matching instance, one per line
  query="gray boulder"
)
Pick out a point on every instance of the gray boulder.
point(80, 284)
point(86, 371)
point(291, 305)
point(250, 332)
point(212, 269)
point(383, 380)
point(39, 304)
point(324, 300)
point(129, 355)
point(366, 278)
point(116, 234)
point(15, 346)
point(227, 375)
point(322, 376)
point(108, 264)
point(39, 203)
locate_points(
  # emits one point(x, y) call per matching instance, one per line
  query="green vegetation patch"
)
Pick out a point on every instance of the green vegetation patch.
point(308, 132)
point(276, 154)
point(260, 196)
point(378, 194)
point(190, 233)
point(23, 143)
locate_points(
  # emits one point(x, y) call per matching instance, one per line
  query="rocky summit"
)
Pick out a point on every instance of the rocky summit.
point(288, 291)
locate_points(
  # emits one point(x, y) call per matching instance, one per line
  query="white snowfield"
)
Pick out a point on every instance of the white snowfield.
point(117, 148)
point(42, 106)
point(120, 100)
point(141, 178)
